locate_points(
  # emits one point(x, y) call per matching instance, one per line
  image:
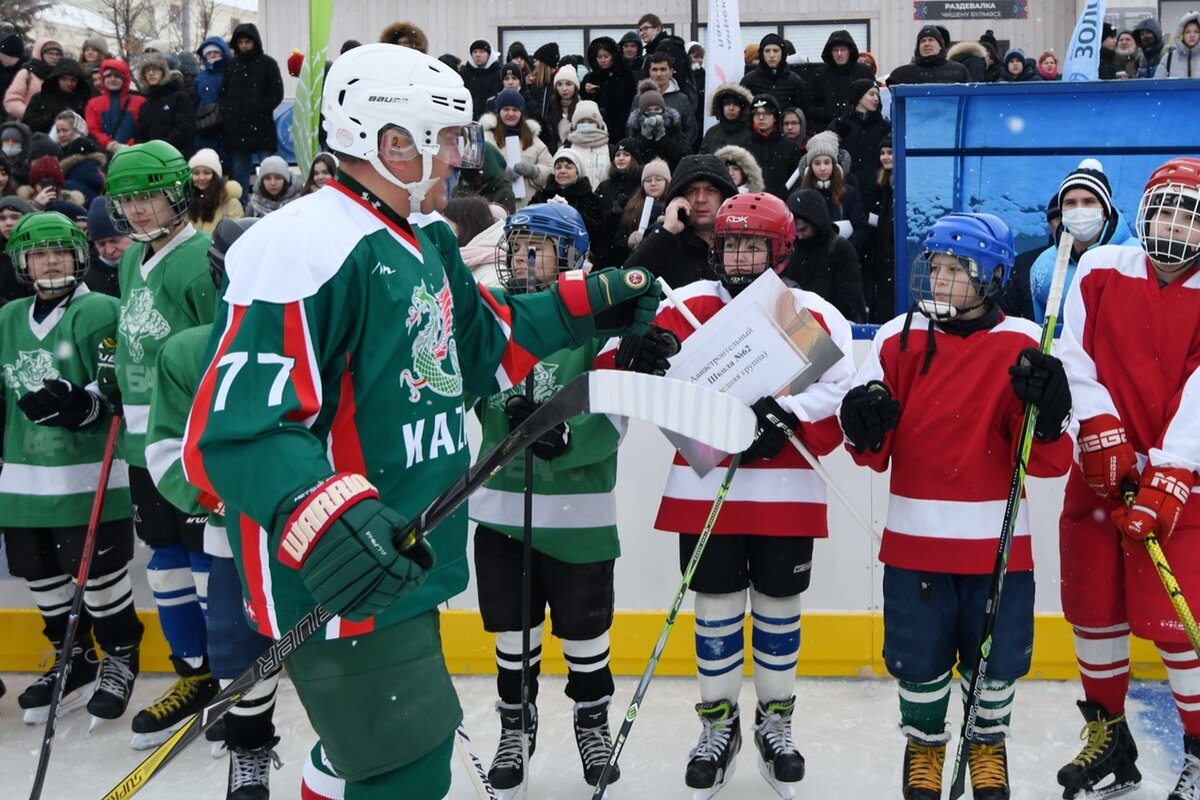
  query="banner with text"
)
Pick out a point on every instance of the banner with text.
point(724, 58)
point(1083, 53)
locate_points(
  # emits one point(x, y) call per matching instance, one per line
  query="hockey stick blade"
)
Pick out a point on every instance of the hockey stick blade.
point(690, 412)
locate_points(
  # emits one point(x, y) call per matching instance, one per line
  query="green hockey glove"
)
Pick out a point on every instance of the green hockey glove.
point(343, 541)
point(619, 301)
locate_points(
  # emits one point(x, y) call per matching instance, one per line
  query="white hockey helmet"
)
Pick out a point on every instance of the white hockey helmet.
point(379, 86)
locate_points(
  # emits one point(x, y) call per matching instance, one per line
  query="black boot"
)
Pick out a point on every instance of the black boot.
point(923, 764)
point(154, 724)
point(711, 761)
point(508, 767)
point(118, 671)
point(1110, 751)
point(594, 740)
point(1188, 785)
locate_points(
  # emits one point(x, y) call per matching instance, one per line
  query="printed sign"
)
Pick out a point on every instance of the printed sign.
point(970, 9)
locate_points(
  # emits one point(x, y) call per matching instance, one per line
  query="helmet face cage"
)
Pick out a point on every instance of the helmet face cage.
point(539, 242)
point(43, 235)
point(138, 175)
point(970, 291)
point(1168, 223)
point(751, 234)
point(981, 244)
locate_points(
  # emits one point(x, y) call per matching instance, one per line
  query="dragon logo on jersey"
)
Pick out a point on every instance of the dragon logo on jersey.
point(434, 352)
point(140, 319)
point(545, 386)
point(32, 367)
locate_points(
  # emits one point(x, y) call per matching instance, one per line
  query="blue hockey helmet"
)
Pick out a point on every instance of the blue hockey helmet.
point(556, 223)
point(983, 244)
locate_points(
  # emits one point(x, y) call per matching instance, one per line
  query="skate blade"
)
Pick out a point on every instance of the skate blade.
point(785, 790)
point(151, 740)
point(705, 794)
point(1114, 789)
point(72, 702)
point(517, 792)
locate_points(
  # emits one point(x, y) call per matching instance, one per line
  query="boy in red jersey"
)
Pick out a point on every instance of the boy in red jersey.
point(1131, 345)
point(951, 472)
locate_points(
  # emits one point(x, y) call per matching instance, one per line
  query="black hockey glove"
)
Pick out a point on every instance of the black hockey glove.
point(1040, 379)
point(867, 414)
point(775, 426)
point(62, 404)
point(648, 353)
point(106, 374)
point(551, 444)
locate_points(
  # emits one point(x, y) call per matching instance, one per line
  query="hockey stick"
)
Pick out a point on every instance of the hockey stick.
point(475, 771)
point(81, 578)
point(526, 598)
point(709, 417)
point(804, 452)
point(1167, 576)
point(992, 607)
point(644, 683)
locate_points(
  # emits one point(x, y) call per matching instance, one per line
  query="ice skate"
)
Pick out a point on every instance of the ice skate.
point(1109, 751)
point(779, 760)
point(154, 724)
point(508, 775)
point(80, 679)
point(988, 763)
point(114, 684)
point(1188, 785)
point(594, 740)
point(711, 762)
point(923, 763)
point(250, 771)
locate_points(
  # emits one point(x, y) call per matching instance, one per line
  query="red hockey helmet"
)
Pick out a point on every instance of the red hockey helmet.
point(1168, 219)
point(751, 233)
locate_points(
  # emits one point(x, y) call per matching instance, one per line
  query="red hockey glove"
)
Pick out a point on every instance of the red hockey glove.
point(1161, 496)
point(1105, 454)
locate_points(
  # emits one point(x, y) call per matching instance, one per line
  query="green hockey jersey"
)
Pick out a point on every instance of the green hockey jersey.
point(345, 344)
point(167, 293)
point(49, 476)
point(574, 510)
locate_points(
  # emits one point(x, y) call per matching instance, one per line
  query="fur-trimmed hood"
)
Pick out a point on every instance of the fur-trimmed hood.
point(408, 34)
point(716, 99)
point(746, 162)
point(29, 192)
point(974, 49)
point(71, 162)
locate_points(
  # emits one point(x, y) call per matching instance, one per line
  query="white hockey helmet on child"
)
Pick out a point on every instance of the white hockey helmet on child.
point(1168, 219)
point(379, 86)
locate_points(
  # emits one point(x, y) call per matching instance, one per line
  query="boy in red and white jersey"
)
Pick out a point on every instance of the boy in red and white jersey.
point(940, 399)
point(1131, 346)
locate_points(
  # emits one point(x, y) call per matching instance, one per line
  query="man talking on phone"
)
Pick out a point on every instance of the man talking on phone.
point(677, 248)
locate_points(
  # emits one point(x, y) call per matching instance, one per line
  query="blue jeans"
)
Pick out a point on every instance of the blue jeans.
point(241, 166)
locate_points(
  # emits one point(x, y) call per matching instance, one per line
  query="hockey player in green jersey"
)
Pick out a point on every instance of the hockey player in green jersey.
point(332, 411)
point(232, 644)
point(574, 518)
point(165, 288)
point(53, 446)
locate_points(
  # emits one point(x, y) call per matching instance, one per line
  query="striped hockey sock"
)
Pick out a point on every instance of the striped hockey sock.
point(1183, 673)
point(923, 709)
point(995, 707)
point(508, 663)
point(109, 601)
point(720, 645)
point(588, 675)
point(1103, 656)
point(169, 574)
point(53, 598)
point(775, 640)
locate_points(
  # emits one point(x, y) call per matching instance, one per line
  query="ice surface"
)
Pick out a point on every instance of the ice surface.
point(845, 728)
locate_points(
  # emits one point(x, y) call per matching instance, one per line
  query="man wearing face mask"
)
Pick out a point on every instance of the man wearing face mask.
point(1088, 213)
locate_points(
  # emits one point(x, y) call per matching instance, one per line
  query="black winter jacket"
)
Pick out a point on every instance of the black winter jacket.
point(44, 106)
point(615, 86)
point(679, 260)
point(482, 82)
point(935, 69)
point(784, 85)
point(862, 137)
point(778, 157)
point(579, 196)
point(250, 91)
point(825, 263)
point(670, 148)
point(169, 113)
point(829, 88)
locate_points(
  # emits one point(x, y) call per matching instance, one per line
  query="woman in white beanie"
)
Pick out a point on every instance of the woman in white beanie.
point(589, 138)
point(656, 178)
point(570, 184)
point(214, 197)
point(562, 107)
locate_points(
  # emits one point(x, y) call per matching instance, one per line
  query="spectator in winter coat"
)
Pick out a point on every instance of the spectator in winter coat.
point(773, 76)
point(66, 88)
point(776, 156)
point(650, 30)
point(252, 88)
point(844, 201)
point(28, 82)
point(11, 210)
point(1128, 59)
point(667, 83)
point(929, 63)
point(744, 170)
point(1017, 300)
point(320, 172)
point(624, 178)
point(829, 87)
point(556, 124)
point(512, 76)
point(1017, 68)
point(492, 181)
point(8, 184)
point(12, 60)
point(1107, 69)
point(83, 168)
point(94, 50)
point(169, 112)
point(15, 138)
point(214, 197)
point(1183, 57)
point(656, 127)
point(1047, 67)
point(863, 128)
point(69, 126)
point(730, 104)
point(112, 116)
point(589, 140)
point(973, 56)
point(1150, 38)
point(879, 267)
point(405, 34)
point(677, 248)
point(215, 57)
point(610, 83)
point(529, 162)
point(823, 261)
point(517, 54)
point(274, 188)
point(107, 246)
point(795, 127)
point(539, 86)
point(481, 74)
point(572, 185)
point(644, 209)
point(45, 185)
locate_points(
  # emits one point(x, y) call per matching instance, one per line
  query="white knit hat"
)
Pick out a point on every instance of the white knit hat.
point(207, 157)
point(588, 110)
point(568, 154)
point(567, 73)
